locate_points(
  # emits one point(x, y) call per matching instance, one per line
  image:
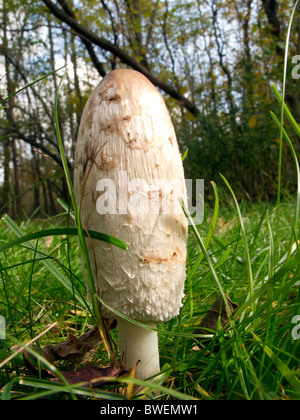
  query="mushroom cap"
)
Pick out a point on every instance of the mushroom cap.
point(126, 136)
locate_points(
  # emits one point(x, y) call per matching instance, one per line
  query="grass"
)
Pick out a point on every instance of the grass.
point(249, 252)
point(254, 357)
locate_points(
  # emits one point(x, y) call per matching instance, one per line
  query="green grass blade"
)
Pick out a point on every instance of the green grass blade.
point(294, 154)
point(57, 388)
point(29, 189)
point(53, 369)
point(185, 155)
point(205, 253)
point(59, 232)
point(209, 236)
point(49, 265)
point(31, 84)
point(246, 247)
point(84, 391)
point(66, 208)
point(283, 271)
point(82, 243)
point(242, 359)
point(282, 121)
point(286, 110)
point(7, 390)
point(207, 242)
point(81, 235)
point(280, 365)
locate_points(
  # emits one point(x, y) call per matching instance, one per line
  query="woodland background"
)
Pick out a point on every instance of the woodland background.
point(213, 61)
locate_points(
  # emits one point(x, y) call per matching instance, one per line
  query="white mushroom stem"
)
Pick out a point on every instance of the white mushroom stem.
point(139, 349)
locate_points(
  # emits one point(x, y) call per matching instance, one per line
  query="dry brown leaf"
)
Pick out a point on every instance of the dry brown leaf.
point(219, 309)
point(91, 376)
point(73, 349)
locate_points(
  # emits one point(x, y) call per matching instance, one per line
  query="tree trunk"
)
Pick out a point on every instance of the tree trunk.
point(271, 8)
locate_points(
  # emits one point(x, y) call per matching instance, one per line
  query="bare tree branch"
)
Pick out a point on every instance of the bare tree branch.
point(91, 36)
point(89, 46)
point(16, 134)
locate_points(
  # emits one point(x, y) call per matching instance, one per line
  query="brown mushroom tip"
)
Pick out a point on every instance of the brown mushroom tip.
point(128, 83)
point(119, 75)
point(128, 78)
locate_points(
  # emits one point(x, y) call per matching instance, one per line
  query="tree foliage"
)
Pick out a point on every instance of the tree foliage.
point(213, 60)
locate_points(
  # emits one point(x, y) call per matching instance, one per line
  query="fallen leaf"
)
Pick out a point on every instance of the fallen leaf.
point(73, 349)
point(219, 309)
point(91, 376)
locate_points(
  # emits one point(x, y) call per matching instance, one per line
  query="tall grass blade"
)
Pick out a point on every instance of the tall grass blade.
point(49, 265)
point(59, 232)
point(185, 155)
point(53, 388)
point(280, 365)
point(294, 154)
point(286, 110)
point(209, 235)
point(32, 83)
point(207, 242)
point(242, 359)
point(7, 390)
point(29, 189)
point(66, 207)
point(82, 242)
point(246, 247)
point(205, 253)
point(282, 120)
point(83, 390)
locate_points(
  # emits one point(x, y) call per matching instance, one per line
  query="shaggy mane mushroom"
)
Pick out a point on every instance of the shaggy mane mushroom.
point(132, 192)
